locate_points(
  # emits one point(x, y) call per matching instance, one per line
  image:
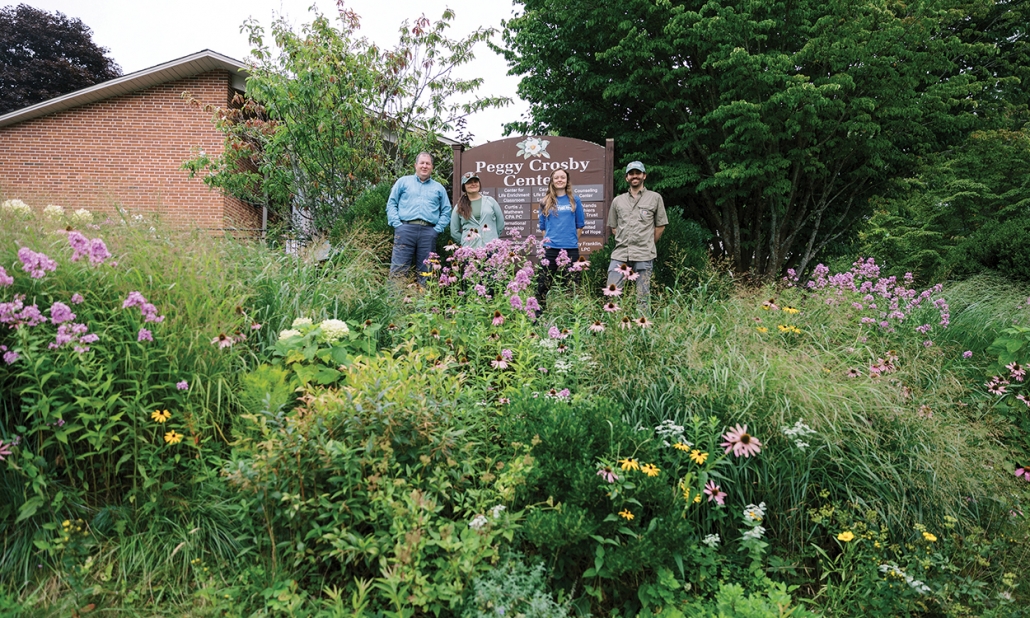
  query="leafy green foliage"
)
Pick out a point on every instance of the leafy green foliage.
point(328, 115)
point(772, 122)
point(959, 215)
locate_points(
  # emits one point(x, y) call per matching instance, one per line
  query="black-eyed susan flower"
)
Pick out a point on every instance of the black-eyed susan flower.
point(160, 416)
point(626, 514)
point(629, 464)
point(173, 437)
point(650, 469)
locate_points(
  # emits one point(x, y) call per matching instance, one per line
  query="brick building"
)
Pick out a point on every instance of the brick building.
point(121, 144)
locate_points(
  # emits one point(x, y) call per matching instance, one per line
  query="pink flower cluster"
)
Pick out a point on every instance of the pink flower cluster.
point(148, 310)
point(888, 301)
point(76, 335)
point(16, 314)
point(94, 249)
point(501, 261)
point(36, 264)
point(5, 279)
point(10, 356)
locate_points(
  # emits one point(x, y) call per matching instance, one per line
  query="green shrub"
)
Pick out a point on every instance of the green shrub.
point(1001, 246)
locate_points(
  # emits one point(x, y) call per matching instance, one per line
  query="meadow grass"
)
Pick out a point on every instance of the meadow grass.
point(914, 446)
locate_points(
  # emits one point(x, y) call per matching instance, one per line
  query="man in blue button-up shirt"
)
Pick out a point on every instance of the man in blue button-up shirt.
point(418, 210)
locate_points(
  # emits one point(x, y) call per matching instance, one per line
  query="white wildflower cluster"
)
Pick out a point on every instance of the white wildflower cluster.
point(82, 216)
point(798, 433)
point(551, 344)
point(53, 211)
point(497, 510)
point(669, 430)
point(16, 207)
point(478, 522)
point(333, 330)
point(289, 332)
point(587, 360)
point(753, 516)
point(712, 540)
point(561, 365)
point(301, 323)
point(893, 570)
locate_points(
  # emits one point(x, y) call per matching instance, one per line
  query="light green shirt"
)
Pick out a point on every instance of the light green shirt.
point(634, 221)
point(486, 223)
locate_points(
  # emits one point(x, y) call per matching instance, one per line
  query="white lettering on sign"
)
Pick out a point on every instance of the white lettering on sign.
point(532, 181)
point(501, 169)
point(539, 165)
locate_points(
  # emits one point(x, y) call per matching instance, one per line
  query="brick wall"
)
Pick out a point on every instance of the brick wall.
point(125, 151)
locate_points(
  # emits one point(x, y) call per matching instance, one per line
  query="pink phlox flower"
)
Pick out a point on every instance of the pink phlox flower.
point(927, 343)
point(36, 264)
point(542, 369)
point(98, 252)
point(10, 356)
point(607, 474)
point(182, 386)
point(563, 259)
point(30, 316)
point(532, 304)
point(5, 279)
point(79, 244)
point(134, 299)
point(77, 299)
point(967, 354)
point(516, 301)
point(60, 312)
point(740, 442)
point(715, 493)
point(144, 335)
point(925, 328)
point(507, 354)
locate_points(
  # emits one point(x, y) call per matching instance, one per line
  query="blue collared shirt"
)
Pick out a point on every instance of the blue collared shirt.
point(412, 198)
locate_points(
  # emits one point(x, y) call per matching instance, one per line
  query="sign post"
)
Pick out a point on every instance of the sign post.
point(517, 170)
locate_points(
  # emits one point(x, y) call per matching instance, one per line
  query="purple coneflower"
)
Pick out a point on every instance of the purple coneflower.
point(607, 474)
point(741, 442)
point(611, 307)
point(597, 327)
point(643, 322)
point(499, 363)
point(498, 318)
point(715, 493)
point(612, 290)
point(626, 322)
point(223, 341)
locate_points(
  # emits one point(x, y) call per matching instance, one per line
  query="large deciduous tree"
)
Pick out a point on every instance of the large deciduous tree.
point(45, 55)
point(327, 114)
point(772, 121)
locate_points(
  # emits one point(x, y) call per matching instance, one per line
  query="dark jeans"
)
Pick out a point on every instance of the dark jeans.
point(412, 243)
point(549, 273)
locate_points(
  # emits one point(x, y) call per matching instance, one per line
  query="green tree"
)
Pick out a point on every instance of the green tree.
point(774, 122)
point(953, 196)
point(327, 114)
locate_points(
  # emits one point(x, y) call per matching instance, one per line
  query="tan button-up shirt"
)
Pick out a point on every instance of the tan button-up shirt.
point(634, 221)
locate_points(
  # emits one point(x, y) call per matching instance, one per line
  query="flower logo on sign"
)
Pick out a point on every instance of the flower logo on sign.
point(532, 147)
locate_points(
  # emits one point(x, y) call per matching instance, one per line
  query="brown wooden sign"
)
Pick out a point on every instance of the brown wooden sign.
point(517, 170)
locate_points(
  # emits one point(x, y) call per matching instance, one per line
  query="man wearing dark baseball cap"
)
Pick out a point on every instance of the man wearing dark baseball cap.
point(637, 219)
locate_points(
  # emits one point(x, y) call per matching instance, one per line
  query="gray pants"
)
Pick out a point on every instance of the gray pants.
point(642, 268)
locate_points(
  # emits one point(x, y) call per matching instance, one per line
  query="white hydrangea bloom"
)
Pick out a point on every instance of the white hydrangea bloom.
point(301, 323)
point(286, 334)
point(16, 207)
point(82, 216)
point(332, 330)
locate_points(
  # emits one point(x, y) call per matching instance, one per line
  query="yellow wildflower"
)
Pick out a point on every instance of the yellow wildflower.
point(845, 536)
point(173, 438)
point(679, 446)
point(698, 457)
point(161, 416)
point(697, 498)
point(791, 310)
point(929, 537)
point(761, 329)
point(650, 469)
point(782, 328)
point(629, 464)
point(624, 513)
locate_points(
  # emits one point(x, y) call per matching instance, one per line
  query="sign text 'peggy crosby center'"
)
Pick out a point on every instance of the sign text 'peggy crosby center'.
point(511, 171)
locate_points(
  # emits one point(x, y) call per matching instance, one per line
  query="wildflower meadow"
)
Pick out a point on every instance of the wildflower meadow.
point(198, 426)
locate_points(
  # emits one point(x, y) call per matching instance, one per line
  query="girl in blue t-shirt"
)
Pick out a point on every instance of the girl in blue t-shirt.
point(561, 219)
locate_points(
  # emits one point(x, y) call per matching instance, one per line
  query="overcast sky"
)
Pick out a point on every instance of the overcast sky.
point(144, 33)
